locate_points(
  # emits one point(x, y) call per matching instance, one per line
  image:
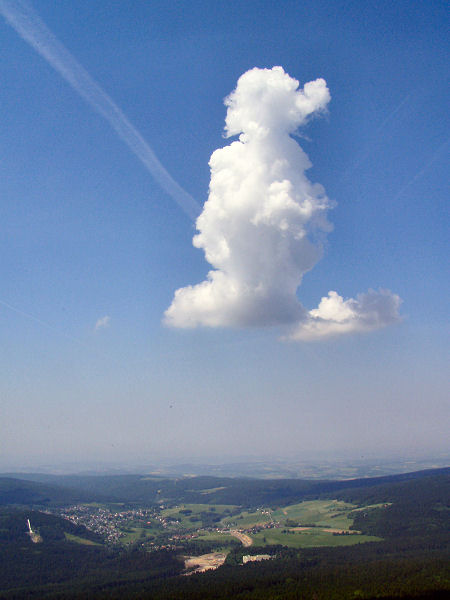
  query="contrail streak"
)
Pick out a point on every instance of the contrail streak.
point(27, 23)
point(422, 171)
point(365, 153)
point(56, 330)
point(40, 321)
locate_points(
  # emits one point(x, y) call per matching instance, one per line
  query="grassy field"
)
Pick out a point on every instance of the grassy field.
point(306, 524)
point(79, 540)
point(247, 519)
point(196, 509)
point(324, 517)
point(212, 490)
point(134, 533)
point(215, 536)
point(323, 513)
point(308, 538)
point(380, 505)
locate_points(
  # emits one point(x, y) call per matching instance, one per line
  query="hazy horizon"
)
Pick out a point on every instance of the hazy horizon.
point(300, 466)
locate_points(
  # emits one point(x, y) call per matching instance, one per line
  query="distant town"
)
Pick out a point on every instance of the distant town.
point(115, 526)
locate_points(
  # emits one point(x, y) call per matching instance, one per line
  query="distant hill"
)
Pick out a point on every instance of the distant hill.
point(149, 490)
point(29, 493)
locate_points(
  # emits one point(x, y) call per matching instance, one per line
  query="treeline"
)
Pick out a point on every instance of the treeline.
point(144, 490)
point(412, 508)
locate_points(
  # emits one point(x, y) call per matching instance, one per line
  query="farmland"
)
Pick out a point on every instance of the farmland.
point(217, 526)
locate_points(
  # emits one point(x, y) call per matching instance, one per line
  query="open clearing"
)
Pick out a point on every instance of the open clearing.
point(205, 562)
point(80, 540)
point(308, 538)
point(326, 513)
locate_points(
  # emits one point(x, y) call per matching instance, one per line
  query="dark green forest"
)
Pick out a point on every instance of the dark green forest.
point(43, 490)
point(412, 561)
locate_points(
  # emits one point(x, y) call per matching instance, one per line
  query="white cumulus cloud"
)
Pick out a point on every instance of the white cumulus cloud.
point(335, 316)
point(264, 223)
point(102, 323)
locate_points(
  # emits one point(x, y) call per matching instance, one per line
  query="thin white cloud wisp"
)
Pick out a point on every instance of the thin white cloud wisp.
point(102, 323)
point(264, 223)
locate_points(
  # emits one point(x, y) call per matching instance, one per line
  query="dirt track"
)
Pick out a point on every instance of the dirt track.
point(245, 539)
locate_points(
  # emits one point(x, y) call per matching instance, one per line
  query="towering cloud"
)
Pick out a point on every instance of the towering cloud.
point(264, 222)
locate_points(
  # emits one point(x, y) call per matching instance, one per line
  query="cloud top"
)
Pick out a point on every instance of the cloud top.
point(264, 223)
point(268, 101)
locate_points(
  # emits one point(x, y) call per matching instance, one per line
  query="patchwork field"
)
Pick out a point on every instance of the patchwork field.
point(324, 513)
point(306, 524)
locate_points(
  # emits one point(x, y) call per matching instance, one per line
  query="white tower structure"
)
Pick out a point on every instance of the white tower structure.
point(30, 531)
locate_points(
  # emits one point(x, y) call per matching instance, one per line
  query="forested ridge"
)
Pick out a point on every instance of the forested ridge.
point(66, 489)
point(20, 491)
point(412, 516)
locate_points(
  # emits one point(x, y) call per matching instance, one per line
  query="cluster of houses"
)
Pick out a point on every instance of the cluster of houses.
point(104, 522)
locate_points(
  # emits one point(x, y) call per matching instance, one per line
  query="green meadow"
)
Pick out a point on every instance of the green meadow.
point(309, 538)
point(186, 513)
point(323, 513)
point(247, 519)
point(324, 519)
point(306, 524)
point(80, 540)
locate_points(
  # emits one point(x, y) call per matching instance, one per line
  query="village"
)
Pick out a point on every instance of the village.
point(150, 528)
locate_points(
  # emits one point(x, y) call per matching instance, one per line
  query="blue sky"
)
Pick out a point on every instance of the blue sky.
point(88, 232)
